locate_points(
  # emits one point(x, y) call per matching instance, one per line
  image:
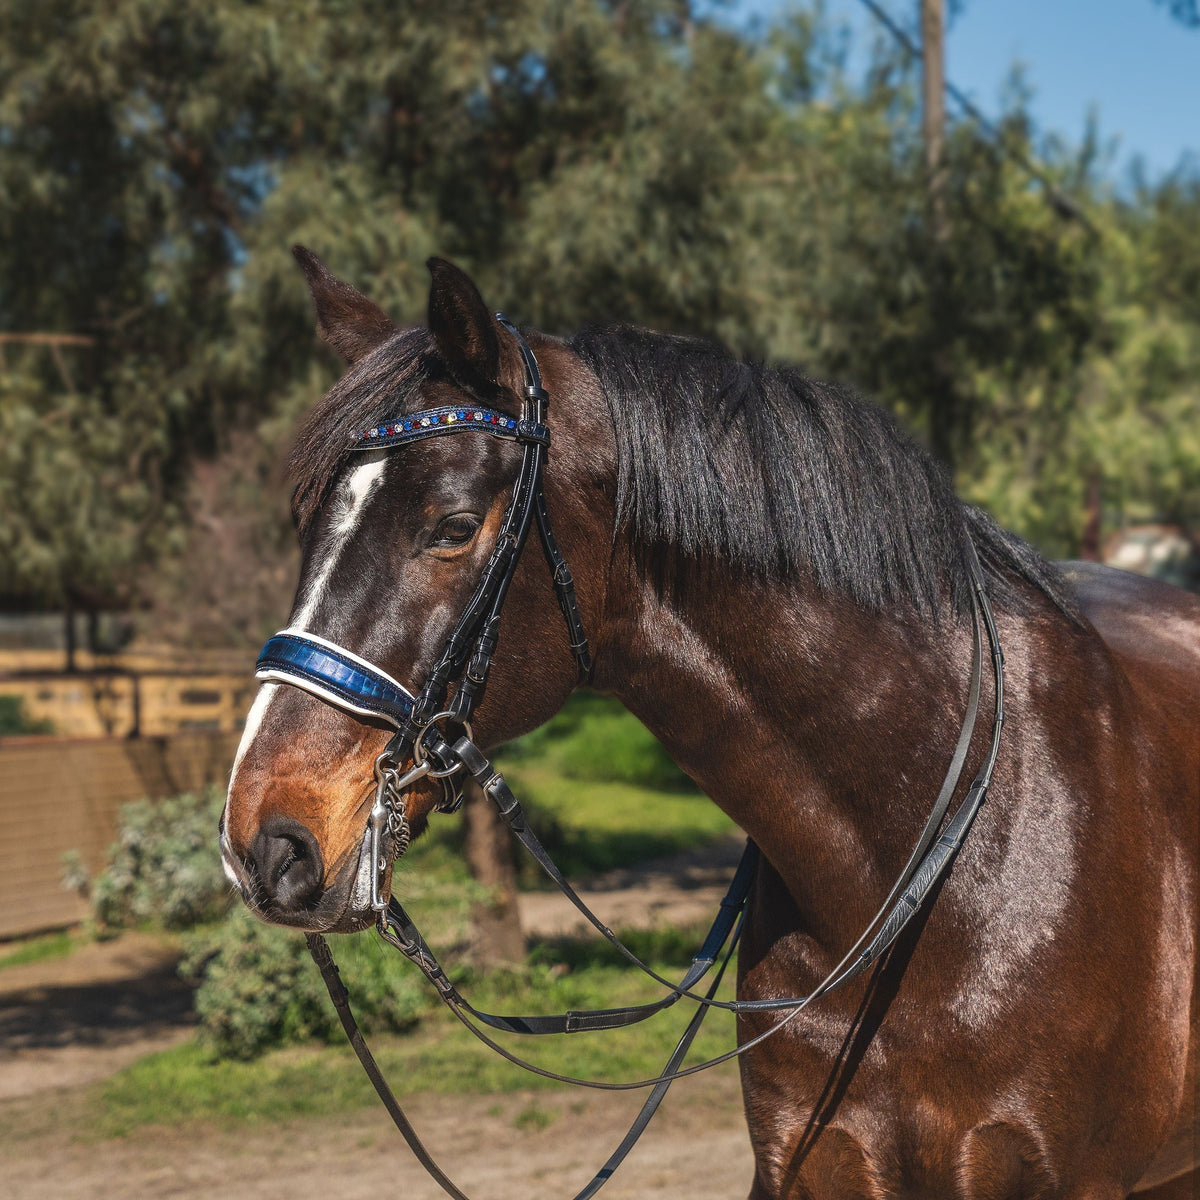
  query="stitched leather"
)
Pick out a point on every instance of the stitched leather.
point(294, 656)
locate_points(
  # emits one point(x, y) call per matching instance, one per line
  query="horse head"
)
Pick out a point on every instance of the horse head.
point(394, 543)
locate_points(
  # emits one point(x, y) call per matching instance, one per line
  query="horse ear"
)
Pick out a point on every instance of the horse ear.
point(462, 327)
point(346, 320)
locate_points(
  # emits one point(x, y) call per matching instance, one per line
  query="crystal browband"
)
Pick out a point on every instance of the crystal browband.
point(395, 431)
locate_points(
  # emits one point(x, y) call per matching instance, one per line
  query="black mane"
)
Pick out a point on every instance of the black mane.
point(758, 468)
point(772, 473)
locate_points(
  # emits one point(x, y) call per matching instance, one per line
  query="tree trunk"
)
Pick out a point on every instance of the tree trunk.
point(497, 937)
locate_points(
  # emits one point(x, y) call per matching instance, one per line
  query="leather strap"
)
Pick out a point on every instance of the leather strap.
point(335, 674)
point(564, 588)
point(403, 934)
point(323, 957)
point(433, 422)
point(340, 677)
point(319, 949)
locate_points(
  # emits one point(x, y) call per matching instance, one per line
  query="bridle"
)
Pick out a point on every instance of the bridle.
point(435, 733)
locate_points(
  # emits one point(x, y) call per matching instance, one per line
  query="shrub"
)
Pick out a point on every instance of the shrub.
point(164, 869)
point(258, 987)
point(596, 738)
point(13, 719)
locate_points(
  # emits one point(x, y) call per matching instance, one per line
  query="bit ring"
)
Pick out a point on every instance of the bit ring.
point(421, 754)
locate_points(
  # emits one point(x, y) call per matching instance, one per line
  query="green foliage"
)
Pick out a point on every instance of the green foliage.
point(258, 987)
point(164, 869)
point(635, 162)
point(595, 738)
point(440, 1056)
point(13, 720)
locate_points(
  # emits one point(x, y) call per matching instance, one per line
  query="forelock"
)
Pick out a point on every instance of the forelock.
point(386, 383)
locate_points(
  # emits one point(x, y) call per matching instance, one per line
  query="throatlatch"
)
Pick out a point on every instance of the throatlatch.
point(435, 734)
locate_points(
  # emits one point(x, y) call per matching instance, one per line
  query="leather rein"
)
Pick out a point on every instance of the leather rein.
point(436, 735)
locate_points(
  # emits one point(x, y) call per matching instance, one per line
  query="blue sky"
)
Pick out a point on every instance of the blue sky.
point(1126, 60)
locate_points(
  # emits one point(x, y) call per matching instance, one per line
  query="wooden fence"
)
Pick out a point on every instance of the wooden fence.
point(106, 702)
point(58, 795)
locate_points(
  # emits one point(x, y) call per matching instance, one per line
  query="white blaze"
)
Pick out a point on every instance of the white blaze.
point(351, 500)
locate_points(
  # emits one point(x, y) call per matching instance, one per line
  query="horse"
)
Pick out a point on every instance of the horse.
point(775, 580)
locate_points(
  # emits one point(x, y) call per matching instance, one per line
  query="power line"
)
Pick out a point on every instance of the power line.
point(1061, 202)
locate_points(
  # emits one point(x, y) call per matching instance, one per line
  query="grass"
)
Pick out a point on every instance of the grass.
point(596, 826)
point(533, 1118)
point(40, 948)
point(185, 1084)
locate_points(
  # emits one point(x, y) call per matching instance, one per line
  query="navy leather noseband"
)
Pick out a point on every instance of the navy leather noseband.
point(335, 675)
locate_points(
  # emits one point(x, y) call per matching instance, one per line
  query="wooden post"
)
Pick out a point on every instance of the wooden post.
point(933, 65)
point(943, 401)
point(497, 937)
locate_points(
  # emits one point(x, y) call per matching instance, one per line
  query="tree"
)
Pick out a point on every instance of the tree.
point(586, 161)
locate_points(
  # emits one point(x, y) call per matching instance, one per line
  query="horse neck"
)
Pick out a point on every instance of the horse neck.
point(822, 730)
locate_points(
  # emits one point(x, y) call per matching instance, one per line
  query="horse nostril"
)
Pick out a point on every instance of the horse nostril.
point(287, 859)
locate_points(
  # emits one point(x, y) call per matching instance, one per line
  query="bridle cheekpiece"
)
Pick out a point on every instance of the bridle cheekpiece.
point(422, 722)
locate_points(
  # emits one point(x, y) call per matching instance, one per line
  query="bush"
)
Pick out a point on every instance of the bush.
point(596, 738)
point(14, 721)
point(258, 987)
point(164, 869)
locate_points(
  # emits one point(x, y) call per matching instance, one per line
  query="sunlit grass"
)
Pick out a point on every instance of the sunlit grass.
point(591, 827)
point(186, 1084)
point(41, 948)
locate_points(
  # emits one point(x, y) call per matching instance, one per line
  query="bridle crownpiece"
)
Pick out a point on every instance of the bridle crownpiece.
point(342, 678)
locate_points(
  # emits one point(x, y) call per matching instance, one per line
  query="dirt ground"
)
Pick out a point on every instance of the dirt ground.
point(696, 1147)
point(67, 1023)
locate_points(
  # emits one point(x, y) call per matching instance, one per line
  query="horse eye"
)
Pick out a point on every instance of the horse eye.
point(455, 530)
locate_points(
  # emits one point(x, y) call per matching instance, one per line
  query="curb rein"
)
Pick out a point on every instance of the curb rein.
point(342, 678)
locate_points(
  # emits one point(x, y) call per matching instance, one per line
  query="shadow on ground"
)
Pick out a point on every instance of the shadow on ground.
point(98, 1014)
